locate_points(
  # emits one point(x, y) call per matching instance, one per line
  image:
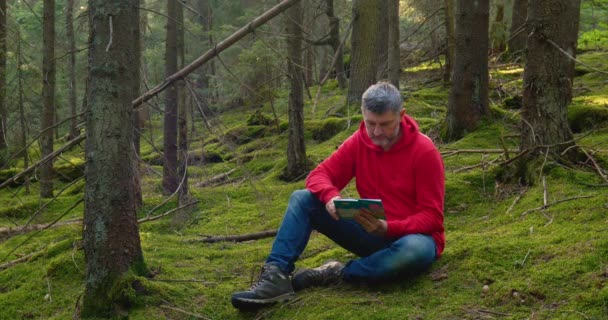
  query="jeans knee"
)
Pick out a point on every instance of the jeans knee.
point(414, 250)
point(301, 196)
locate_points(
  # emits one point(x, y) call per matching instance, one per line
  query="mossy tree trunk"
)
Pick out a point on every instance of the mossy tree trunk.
point(448, 7)
point(468, 101)
point(518, 35)
point(111, 237)
point(182, 113)
point(69, 33)
point(3, 112)
point(296, 149)
point(48, 97)
point(170, 178)
point(394, 53)
point(205, 19)
point(135, 70)
point(334, 40)
point(548, 77)
point(369, 47)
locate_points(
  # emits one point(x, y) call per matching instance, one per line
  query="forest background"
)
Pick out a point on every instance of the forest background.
point(193, 146)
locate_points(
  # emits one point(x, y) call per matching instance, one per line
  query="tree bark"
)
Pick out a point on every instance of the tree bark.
point(182, 116)
point(205, 19)
point(468, 101)
point(170, 178)
point(135, 70)
point(48, 97)
point(334, 40)
point(450, 41)
point(518, 35)
point(367, 44)
point(548, 75)
point(110, 236)
point(3, 111)
point(22, 121)
point(394, 53)
point(296, 149)
point(69, 32)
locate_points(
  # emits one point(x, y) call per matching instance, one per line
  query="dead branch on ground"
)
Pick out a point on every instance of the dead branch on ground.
point(215, 179)
point(236, 238)
point(545, 206)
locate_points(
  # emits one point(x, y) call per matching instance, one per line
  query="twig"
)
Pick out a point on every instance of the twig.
point(521, 193)
point(597, 168)
point(148, 218)
point(183, 280)
point(198, 316)
point(237, 238)
point(332, 66)
point(16, 261)
point(214, 179)
point(44, 228)
point(493, 312)
point(573, 58)
point(43, 161)
point(545, 191)
point(554, 203)
point(111, 34)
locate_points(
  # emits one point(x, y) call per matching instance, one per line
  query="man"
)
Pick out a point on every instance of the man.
point(391, 160)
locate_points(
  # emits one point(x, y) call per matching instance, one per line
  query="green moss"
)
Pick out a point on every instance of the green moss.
point(583, 117)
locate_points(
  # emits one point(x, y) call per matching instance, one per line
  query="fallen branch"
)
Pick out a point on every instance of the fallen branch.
point(553, 203)
point(148, 218)
point(198, 316)
point(11, 231)
point(521, 194)
point(237, 238)
point(223, 45)
point(17, 261)
point(42, 161)
point(218, 178)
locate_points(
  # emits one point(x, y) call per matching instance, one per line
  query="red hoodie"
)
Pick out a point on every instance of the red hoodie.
point(409, 178)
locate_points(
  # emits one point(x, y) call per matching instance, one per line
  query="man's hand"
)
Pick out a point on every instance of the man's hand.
point(331, 208)
point(372, 225)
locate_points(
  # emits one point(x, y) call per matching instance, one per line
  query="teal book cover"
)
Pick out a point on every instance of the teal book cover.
point(348, 208)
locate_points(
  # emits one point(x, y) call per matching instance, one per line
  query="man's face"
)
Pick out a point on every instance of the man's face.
point(382, 129)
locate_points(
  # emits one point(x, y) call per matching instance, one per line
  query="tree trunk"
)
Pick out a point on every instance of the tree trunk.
point(296, 149)
point(468, 101)
point(22, 120)
point(69, 32)
point(498, 30)
point(170, 179)
point(334, 40)
point(518, 35)
point(394, 53)
point(205, 19)
point(450, 41)
point(48, 97)
point(135, 70)
point(3, 112)
point(182, 118)
point(548, 76)
point(367, 42)
point(111, 237)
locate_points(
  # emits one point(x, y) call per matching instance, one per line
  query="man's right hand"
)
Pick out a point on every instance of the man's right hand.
point(331, 208)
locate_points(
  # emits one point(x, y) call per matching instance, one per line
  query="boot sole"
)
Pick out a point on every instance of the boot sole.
point(245, 303)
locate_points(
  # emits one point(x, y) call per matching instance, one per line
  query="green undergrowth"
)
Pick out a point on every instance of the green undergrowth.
point(505, 257)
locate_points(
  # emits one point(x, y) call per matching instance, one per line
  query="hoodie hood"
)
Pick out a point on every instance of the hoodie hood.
point(409, 129)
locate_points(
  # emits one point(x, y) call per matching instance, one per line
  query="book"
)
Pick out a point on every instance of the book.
point(348, 208)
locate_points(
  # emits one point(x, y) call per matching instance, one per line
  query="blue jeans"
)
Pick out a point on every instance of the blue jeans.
point(380, 258)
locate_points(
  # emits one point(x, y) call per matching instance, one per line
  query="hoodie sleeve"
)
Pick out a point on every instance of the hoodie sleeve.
point(430, 189)
point(335, 172)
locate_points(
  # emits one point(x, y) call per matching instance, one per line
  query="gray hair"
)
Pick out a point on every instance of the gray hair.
point(382, 97)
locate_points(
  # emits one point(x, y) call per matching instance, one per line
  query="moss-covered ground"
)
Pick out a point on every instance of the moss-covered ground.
point(505, 258)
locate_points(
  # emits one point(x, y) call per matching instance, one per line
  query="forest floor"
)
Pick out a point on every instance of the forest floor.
point(513, 252)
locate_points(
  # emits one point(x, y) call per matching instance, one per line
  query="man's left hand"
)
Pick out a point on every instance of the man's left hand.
point(372, 225)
